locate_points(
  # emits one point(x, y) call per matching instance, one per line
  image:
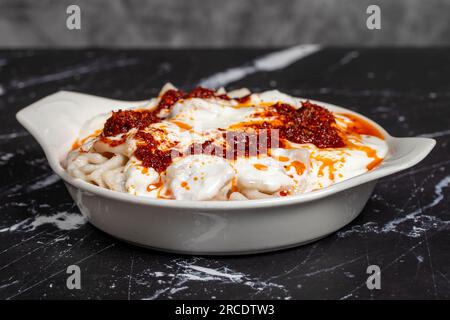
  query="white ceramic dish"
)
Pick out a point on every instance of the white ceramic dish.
point(209, 227)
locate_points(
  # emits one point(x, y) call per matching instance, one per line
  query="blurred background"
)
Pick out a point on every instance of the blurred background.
point(220, 23)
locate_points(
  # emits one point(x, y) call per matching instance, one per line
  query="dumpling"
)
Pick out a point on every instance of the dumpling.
point(198, 177)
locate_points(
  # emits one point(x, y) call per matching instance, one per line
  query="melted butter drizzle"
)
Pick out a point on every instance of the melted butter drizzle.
point(357, 127)
point(78, 143)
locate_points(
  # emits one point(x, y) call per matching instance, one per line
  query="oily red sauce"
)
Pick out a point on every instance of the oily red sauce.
point(155, 186)
point(298, 166)
point(78, 143)
point(261, 167)
point(111, 142)
point(361, 126)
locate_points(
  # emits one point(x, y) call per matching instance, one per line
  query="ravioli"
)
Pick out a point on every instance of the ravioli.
point(215, 145)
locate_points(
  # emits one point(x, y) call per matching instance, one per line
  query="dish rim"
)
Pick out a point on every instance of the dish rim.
point(384, 169)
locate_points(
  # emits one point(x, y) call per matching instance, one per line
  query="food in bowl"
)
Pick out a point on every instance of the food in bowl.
point(217, 227)
point(217, 145)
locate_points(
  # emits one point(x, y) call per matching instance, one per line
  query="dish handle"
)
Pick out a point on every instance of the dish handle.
point(407, 152)
point(55, 121)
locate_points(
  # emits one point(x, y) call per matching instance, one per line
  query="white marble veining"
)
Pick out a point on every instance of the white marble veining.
point(61, 220)
point(186, 271)
point(270, 62)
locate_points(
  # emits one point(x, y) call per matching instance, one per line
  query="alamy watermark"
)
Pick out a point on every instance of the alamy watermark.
point(73, 21)
point(374, 280)
point(373, 21)
point(235, 144)
point(74, 280)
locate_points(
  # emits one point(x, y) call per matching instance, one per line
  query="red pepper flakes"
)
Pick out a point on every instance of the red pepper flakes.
point(238, 144)
point(147, 151)
point(204, 93)
point(207, 148)
point(243, 99)
point(169, 98)
point(309, 124)
point(123, 121)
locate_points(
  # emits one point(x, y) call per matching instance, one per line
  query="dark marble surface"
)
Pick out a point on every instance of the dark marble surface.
point(404, 228)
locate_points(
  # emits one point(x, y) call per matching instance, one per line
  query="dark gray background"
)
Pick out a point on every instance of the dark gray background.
point(220, 23)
